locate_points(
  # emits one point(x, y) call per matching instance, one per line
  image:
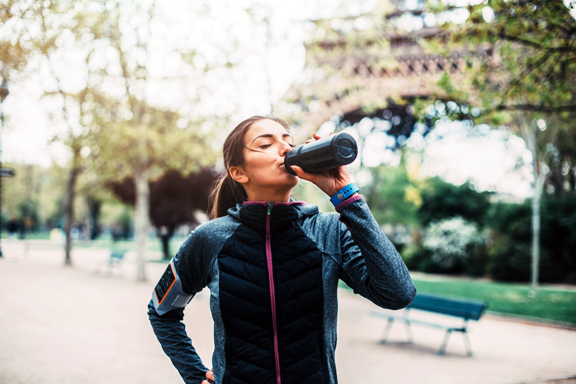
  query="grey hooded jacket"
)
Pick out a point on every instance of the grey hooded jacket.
point(273, 272)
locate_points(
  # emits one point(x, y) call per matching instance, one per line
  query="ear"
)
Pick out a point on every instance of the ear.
point(238, 174)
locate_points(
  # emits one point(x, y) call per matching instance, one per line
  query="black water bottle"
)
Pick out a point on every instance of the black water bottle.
point(328, 152)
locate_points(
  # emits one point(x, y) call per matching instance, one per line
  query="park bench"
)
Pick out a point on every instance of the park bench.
point(114, 261)
point(464, 309)
point(116, 258)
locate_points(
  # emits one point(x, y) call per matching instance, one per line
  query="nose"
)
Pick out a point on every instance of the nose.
point(285, 149)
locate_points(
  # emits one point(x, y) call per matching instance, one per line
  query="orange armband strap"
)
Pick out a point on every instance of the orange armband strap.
point(168, 293)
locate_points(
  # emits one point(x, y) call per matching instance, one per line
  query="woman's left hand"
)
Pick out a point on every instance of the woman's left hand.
point(209, 378)
point(330, 181)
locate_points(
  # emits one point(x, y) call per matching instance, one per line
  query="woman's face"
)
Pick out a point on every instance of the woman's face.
point(265, 144)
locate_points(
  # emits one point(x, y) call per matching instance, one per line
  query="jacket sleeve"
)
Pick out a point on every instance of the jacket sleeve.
point(371, 266)
point(169, 328)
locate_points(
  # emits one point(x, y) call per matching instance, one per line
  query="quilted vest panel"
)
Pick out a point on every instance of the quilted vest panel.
point(246, 303)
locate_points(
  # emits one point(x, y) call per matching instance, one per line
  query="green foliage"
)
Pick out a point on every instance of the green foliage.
point(559, 233)
point(33, 191)
point(510, 254)
point(509, 260)
point(418, 258)
point(521, 68)
point(151, 141)
point(514, 220)
point(392, 196)
point(442, 200)
point(532, 61)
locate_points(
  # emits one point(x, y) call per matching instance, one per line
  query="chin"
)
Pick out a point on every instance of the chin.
point(288, 184)
point(294, 180)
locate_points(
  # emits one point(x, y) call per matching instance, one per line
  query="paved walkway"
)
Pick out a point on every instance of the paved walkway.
point(81, 325)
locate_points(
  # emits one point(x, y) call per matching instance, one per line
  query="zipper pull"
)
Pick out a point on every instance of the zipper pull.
point(269, 211)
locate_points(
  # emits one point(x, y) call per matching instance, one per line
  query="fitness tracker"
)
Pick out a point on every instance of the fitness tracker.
point(344, 193)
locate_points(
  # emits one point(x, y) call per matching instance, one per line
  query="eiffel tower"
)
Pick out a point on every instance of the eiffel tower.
point(351, 73)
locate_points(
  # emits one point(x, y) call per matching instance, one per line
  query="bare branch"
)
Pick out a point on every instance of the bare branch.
point(534, 108)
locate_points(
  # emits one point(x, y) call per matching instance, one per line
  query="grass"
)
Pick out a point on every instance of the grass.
point(31, 236)
point(552, 304)
point(154, 245)
point(104, 242)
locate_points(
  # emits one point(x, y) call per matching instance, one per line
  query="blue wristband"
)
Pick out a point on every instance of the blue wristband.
point(344, 193)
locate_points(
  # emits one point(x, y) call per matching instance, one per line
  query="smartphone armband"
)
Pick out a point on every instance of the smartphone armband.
point(168, 293)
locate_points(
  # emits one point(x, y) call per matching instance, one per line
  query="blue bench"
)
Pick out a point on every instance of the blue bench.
point(108, 265)
point(464, 309)
point(116, 258)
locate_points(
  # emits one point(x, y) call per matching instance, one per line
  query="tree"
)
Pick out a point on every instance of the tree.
point(142, 148)
point(393, 195)
point(69, 29)
point(529, 77)
point(510, 252)
point(143, 139)
point(34, 31)
point(107, 119)
point(442, 200)
point(16, 46)
point(174, 200)
point(124, 111)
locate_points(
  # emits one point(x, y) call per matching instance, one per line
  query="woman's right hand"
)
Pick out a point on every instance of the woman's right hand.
point(209, 378)
point(330, 181)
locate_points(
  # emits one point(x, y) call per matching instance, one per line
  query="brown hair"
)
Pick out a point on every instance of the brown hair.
point(228, 192)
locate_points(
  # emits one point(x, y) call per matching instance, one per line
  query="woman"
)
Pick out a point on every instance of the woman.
point(272, 265)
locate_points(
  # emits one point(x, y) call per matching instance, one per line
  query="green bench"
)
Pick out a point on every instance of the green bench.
point(464, 309)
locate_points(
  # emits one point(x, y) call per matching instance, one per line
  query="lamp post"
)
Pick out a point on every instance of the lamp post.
point(3, 94)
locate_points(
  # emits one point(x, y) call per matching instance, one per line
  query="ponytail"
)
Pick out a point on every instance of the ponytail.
point(226, 194)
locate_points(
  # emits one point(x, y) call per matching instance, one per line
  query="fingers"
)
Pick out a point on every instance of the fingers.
point(315, 137)
point(210, 377)
point(301, 174)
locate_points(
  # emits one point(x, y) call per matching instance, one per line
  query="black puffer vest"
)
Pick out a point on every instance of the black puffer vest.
point(271, 300)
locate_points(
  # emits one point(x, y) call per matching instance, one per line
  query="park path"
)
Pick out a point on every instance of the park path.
point(80, 325)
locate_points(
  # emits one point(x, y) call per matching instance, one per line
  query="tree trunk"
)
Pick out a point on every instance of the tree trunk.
point(536, 233)
point(69, 210)
point(165, 240)
point(87, 220)
point(95, 219)
point(165, 235)
point(539, 178)
point(142, 221)
point(528, 131)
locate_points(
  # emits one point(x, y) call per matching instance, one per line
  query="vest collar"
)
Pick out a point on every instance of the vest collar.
point(256, 211)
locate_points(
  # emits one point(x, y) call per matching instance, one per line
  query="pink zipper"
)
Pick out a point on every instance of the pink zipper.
point(272, 295)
